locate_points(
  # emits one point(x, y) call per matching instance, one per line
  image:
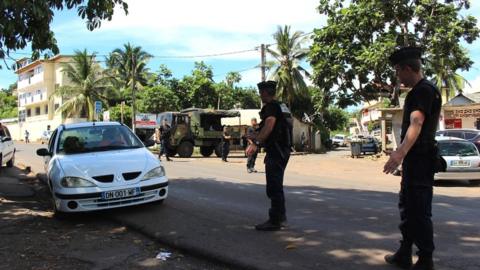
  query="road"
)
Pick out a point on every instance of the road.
point(342, 217)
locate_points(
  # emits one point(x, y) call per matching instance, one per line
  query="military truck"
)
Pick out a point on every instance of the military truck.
point(197, 128)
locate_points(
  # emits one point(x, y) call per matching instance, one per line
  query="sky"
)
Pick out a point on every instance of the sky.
point(192, 28)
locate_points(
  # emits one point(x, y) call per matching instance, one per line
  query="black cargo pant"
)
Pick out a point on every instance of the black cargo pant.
point(251, 160)
point(225, 149)
point(274, 169)
point(415, 203)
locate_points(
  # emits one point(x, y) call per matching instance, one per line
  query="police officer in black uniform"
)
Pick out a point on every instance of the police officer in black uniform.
point(164, 138)
point(274, 135)
point(418, 152)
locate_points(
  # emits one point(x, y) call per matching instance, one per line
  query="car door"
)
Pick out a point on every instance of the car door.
point(51, 149)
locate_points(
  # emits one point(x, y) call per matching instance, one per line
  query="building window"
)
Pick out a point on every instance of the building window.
point(37, 111)
point(29, 112)
point(46, 109)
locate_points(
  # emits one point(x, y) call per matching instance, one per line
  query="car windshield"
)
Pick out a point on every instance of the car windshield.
point(457, 148)
point(97, 138)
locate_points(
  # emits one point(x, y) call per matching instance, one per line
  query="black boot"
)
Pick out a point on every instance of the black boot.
point(424, 263)
point(269, 225)
point(402, 258)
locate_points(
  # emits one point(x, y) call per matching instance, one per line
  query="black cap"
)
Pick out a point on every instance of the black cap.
point(270, 86)
point(405, 53)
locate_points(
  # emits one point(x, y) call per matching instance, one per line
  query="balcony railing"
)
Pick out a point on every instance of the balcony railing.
point(30, 80)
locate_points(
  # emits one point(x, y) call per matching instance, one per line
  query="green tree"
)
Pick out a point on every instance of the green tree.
point(232, 78)
point(336, 119)
point(448, 81)
point(157, 99)
point(87, 85)
point(8, 103)
point(28, 22)
point(199, 87)
point(116, 114)
point(349, 55)
point(287, 70)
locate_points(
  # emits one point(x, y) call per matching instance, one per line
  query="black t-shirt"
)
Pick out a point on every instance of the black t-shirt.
point(268, 110)
point(426, 98)
point(164, 132)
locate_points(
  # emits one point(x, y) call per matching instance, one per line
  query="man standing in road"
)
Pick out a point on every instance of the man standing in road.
point(275, 135)
point(253, 157)
point(225, 143)
point(418, 152)
point(27, 135)
point(164, 137)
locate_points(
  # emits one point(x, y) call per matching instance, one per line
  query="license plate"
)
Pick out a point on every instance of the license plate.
point(460, 163)
point(118, 194)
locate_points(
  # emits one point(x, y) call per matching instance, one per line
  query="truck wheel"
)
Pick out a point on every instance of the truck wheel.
point(185, 149)
point(206, 151)
point(218, 150)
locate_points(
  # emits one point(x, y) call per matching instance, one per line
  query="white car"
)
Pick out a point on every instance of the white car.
point(462, 157)
point(101, 165)
point(7, 149)
point(339, 140)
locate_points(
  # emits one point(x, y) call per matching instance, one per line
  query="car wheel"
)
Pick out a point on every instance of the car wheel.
point(1, 164)
point(206, 151)
point(185, 149)
point(11, 162)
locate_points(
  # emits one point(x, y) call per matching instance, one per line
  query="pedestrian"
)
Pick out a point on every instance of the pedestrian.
point(164, 138)
point(27, 134)
point(226, 137)
point(303, 141)
point(275, 134)
point(253, 157)
point(418, 152)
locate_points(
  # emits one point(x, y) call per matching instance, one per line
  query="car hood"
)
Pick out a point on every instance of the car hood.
point(107, 162)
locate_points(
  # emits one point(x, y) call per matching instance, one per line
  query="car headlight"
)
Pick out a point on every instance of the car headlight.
point(73, 182)
point(155, 173)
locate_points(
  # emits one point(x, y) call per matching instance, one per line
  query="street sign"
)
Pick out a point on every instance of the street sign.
point(98, 107)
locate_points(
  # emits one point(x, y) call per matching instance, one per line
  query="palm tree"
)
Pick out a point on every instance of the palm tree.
point(87, 85)
point(287, 70)
point(448, 81)
point(129, 66)
point(232, 78)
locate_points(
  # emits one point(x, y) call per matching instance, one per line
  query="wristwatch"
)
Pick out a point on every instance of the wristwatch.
point(256, 142)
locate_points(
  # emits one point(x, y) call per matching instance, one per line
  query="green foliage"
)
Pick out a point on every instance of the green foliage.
point(8, 104)
point(349, 56)
point(199, 87)
point(87, 85)
point(287, 70)
point(116, 114)
point(157, 99)
point(336, 119)
point(28, 22)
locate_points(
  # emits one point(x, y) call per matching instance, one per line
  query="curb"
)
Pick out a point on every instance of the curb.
point(189, 249)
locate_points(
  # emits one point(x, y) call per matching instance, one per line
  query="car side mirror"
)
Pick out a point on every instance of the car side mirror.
point(6, 139)
point(43, 152)
point(149, 143)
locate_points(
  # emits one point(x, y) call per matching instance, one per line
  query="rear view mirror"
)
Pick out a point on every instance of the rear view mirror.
point(43, 152)
point(149, 143)
point(6, 139)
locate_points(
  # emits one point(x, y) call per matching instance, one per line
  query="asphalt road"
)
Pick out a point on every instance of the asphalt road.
point(334, 223)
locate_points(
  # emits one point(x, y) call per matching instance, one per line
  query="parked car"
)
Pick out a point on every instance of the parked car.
point(7, 148)
point(370, 145)
point(462, 157)
point(339, 140)
point(101, 165)
point(472, 135)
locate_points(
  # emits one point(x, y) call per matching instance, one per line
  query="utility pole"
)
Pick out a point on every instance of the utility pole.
point(134, 111)
point(263, 61)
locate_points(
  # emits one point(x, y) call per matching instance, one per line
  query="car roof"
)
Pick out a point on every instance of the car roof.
point(445, 138)
point(90, 124)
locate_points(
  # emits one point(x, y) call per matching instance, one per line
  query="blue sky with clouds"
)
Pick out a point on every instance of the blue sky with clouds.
point(189, 27)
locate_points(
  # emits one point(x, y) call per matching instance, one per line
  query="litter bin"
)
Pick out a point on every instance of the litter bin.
point(356, 149)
